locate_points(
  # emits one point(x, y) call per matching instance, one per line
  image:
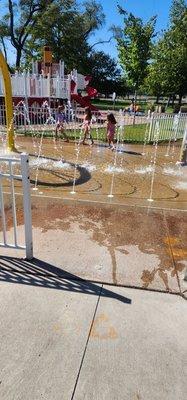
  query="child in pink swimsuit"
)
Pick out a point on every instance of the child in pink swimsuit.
point(111, 128)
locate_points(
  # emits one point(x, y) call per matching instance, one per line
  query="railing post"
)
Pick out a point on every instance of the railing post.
point(150, 128)
point(183, 153)
point(27, 205)
point(48, 85)
point(69, 87)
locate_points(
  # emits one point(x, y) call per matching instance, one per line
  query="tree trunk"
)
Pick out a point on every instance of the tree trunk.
point(18, 57)
point(180, 99)
point(157, 98)
point(173, 100)
point(134, 114)
point(168, 102)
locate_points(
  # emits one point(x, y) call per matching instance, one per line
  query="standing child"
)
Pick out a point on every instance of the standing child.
point(87, 125)
point(60, 119)
point(111, 128)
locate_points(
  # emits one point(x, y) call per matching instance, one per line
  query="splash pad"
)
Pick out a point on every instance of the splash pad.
point(129, 174)
point(72, 171)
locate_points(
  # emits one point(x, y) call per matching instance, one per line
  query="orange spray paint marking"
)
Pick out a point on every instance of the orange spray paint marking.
point(100, 330)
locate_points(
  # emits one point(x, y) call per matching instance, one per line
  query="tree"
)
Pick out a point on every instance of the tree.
point(61, 24)
point(104, 71)
point(66, 33)
point(20, 18)
point(177, 39)
point(156, 82)
point(168, 69)
point(4, 34)
point(134, 47)
point(178, 15)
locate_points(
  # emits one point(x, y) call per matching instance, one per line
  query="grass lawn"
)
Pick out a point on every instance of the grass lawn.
point(131, 133)
point(105, 105)
point(134, 134)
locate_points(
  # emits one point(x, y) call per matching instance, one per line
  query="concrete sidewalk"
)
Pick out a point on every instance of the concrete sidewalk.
point(128, 246)
point(64, 339)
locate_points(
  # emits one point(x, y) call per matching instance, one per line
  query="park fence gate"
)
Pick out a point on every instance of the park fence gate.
point(9, 174)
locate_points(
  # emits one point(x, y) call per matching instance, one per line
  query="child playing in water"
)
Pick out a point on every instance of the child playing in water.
point(87, 125)
point(60, 119)
point(111, 127)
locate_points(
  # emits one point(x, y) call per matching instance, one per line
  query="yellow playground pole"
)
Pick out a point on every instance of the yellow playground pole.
point(8, 103)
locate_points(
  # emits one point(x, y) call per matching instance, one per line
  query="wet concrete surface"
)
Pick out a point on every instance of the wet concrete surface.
point(63, 336)
point(124, 240)
point(128, 246)
point(98, 172)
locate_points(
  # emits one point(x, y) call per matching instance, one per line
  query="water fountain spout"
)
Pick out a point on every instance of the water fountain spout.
point(76, 162)
point(111, 195)
point(156, 140)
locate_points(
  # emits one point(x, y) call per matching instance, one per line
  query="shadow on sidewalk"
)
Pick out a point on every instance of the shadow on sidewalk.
point(39, 273)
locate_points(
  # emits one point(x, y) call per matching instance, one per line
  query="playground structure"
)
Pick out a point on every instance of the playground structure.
point(47, 82)
point(131, 175)
point(8, 102)
point(36, 95)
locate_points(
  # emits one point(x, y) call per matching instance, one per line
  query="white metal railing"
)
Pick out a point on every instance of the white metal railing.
point(33, 117)
point(9, 174)
point(80, 82)
point(170, 126)
point(161, 127)
point(30, 85)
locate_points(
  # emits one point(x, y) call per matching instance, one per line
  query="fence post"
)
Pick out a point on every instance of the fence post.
point(176, 125)
point(69, 87)
point(27, 205)
point(183, 154)
point(48, 85)
point(150, 128)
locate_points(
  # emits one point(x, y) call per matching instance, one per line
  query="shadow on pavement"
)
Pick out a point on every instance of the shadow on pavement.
point(120, 150)
point(41, 274)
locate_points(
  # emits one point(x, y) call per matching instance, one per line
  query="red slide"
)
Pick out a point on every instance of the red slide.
point(84, 101)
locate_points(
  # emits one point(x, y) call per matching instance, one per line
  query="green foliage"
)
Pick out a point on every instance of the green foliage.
point(61, 24)
point(104, 71)
point(178, 14)
point(134, 47)
point(168, 70)
point(19, 18)
point(66, 32)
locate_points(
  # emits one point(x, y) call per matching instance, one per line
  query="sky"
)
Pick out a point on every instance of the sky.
point(140, 8)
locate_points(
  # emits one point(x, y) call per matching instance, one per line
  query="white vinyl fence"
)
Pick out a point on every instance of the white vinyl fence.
point(146, 128)
point(9, 174)
point(166, 126)
point(30, 85)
